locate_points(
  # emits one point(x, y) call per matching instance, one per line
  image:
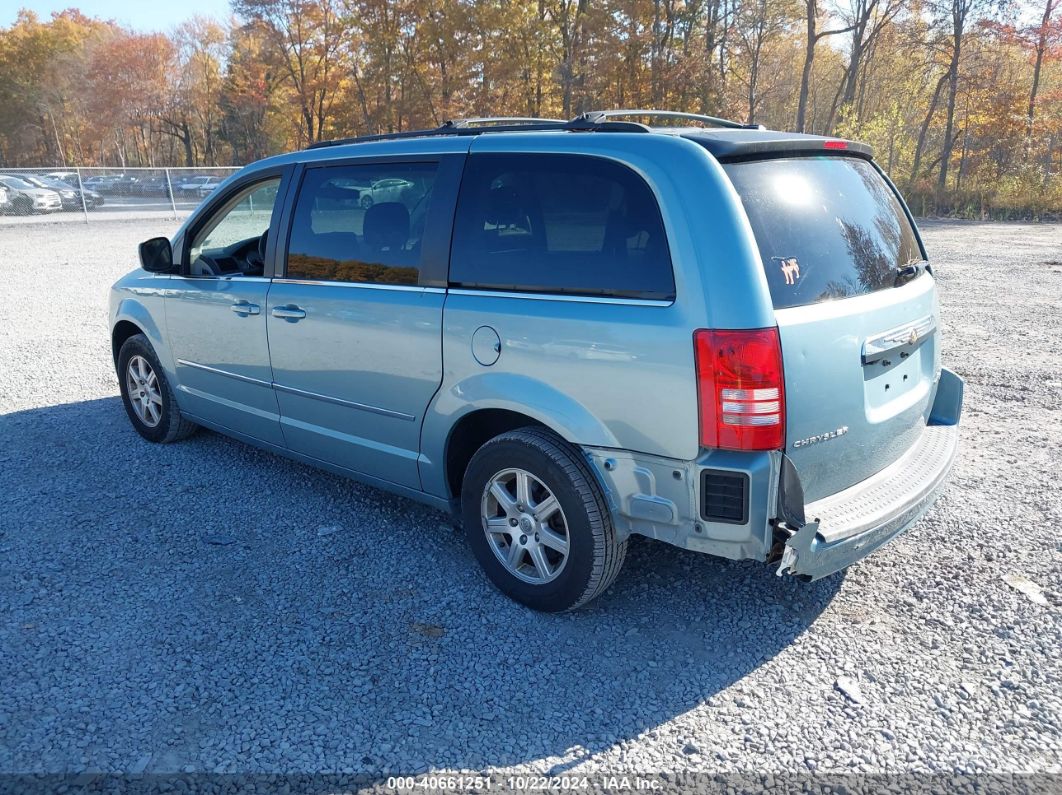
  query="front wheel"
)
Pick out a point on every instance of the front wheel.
point(147, 395)
point(538, 523)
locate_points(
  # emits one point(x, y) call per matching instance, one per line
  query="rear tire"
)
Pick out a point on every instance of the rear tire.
point(524, 494)
point(146, 393)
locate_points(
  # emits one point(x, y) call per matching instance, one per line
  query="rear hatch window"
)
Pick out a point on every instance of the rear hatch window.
point(827, 227)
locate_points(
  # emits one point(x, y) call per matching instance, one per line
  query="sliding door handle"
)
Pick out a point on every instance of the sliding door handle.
point(291, 313)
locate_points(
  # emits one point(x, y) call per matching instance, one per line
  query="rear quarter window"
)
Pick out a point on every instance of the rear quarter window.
point(827, 227)
point(565, 224)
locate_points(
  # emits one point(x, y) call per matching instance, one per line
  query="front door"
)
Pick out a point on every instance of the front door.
point(355, 323)
point(215, 315)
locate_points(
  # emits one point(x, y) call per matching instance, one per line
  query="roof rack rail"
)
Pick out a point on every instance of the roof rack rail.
point(493, 125)
point(479, 122)
point(591, 121)
point(602, 116)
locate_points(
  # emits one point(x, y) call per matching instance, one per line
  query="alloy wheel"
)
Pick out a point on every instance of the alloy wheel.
point(525, 526)
point(142, 386)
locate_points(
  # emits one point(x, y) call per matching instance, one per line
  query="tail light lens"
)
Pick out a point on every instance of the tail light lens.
point(741, 388)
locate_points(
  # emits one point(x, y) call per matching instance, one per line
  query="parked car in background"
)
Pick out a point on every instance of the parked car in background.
point(27, 198)
point(721, 337)
point(70, 195)
point(5, 199)
point(155, 185)
point(384, 190)
point(190, 186)
point(101, 183)
point(207, 186)
point(125, 184)
point(69, 177)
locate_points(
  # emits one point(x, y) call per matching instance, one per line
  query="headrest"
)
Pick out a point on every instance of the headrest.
point(386, 225)
point(506, 207)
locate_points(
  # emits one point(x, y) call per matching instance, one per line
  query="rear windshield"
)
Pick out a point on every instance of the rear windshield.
point(827, 227)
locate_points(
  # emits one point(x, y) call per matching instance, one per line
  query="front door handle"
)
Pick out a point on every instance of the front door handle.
point(291, 313)
point(245, 308)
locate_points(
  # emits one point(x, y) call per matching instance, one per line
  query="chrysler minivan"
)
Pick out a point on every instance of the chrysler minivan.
point(718, 336)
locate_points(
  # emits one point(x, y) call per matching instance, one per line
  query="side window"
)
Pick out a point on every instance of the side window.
point(559, 224)
point(361, 223)
point(232, 242)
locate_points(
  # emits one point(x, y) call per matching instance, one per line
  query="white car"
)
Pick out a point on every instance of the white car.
point(26, 199)
point(384, 190)
point(69, 177)
point(207, 187)
point(197, 186)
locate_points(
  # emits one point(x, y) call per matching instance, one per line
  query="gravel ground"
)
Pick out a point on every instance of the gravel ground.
point(208, 607)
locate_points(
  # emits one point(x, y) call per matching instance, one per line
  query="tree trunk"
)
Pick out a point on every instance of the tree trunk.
point(811, 7)
point(959, 18)
point(711, 44)
point(855, 59)
point(1041, 47)
point(920, 146)
point(962, 154)
point(571, 35)
point(654, 56)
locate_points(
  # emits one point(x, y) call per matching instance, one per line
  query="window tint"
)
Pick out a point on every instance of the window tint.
point(559, 223)
point(361, 223)
point(827, 227)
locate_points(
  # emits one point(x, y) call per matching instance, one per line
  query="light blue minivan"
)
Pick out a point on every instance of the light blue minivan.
point(565, 333)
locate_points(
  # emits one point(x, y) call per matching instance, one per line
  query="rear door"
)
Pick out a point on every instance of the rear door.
point(859, 343)
point(562, 301)
point(355, 319)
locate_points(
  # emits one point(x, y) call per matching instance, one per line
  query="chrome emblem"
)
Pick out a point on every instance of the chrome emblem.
point(910, 334)
point(821, 437)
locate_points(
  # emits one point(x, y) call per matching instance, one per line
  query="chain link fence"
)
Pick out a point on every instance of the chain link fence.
point(32, 195)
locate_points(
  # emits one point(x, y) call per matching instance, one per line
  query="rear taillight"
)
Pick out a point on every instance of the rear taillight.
point(740, 388)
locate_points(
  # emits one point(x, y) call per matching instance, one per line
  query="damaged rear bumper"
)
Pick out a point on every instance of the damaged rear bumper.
point(836, 531)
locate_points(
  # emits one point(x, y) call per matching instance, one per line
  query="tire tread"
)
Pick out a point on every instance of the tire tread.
point(177, 426)
point(610, 553)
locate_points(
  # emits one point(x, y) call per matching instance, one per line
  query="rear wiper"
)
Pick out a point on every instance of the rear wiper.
point(912, 270)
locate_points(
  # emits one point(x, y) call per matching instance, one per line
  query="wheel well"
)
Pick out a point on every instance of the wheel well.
point(123, 330)
point(472, 432)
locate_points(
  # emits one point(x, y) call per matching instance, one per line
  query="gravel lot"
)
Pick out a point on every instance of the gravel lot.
point(208, 607)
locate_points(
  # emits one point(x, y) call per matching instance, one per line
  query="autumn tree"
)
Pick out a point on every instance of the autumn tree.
point(249, 95)
point(1045, 34)
point(812, 15)
point(759, 25)
point(962, 103)
point(306, 38)
point(954, 18)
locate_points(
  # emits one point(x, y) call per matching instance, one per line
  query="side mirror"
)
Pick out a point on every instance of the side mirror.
point(156, 255)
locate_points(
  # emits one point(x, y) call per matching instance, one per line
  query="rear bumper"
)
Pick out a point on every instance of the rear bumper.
point(847, 526)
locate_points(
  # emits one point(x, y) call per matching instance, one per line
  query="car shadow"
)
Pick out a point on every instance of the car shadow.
point(215, 607)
